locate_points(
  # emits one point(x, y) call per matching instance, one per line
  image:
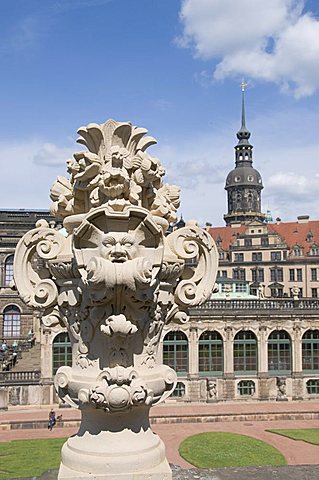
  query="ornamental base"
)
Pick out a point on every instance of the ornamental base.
point(161, 472)
point(114, 446)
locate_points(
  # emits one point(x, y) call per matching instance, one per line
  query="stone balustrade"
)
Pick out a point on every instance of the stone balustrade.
point(256, 304)
point(20, 377)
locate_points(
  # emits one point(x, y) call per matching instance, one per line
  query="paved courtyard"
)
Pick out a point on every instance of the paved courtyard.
point(304, 456)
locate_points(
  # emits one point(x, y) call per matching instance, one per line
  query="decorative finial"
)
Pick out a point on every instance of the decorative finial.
point(243, 85)
point(243, 134)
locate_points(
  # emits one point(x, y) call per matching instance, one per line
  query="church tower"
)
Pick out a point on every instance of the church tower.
point(243, 183)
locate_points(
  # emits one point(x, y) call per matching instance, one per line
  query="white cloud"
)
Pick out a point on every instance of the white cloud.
point(25, 183)
point(293, 186)
point(275, 41)
point(51, 155)
point(292, 194)
point(198, 166)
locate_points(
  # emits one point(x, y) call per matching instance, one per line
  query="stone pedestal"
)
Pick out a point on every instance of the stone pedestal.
point(120, 446)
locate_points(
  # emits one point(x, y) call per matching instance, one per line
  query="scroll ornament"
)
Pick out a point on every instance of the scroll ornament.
point(114, 276)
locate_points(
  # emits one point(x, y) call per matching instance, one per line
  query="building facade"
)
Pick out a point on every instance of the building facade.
point(265, 347)
point(17, 319)
point(253, 349)
point(22, 363)
point(278, 260)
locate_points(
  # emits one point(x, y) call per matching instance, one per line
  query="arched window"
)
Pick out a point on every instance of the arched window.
point(245, 352)
point(310, 351)
point(11, 321)
point(279, 352)
point(175, 352)
point(61, 351)
point(210, 353)
point(8, 270)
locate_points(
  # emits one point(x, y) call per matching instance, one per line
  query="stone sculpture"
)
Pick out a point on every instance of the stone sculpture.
point(211, 389)
point(281, 389)
point(295, 292)
point(113, 280)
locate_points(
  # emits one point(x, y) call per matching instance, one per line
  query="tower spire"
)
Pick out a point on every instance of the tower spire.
point(243, 183)
point(243, 134)
point(243, 120)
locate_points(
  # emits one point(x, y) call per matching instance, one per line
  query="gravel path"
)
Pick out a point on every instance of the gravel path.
point(297, 472)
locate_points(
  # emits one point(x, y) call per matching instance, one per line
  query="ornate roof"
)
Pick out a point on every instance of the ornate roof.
point(291, 233)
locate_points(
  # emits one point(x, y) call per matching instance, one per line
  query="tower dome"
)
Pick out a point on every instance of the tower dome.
point(244, 182)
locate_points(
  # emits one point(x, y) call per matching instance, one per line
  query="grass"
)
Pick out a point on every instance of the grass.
point(309, 435)
point(28, 458)
point(221, 449)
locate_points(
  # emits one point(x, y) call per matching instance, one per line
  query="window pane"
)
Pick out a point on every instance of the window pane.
point(310, 350)
point(11, 321)
point(175, 352)
point(61, 352)
point(8, 270)
point(279, 351)
point(245, 352)
point(210, 352)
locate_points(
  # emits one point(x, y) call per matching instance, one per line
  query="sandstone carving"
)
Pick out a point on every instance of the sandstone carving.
point(113, 282)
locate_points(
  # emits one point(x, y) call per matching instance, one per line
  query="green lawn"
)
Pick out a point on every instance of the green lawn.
point(220, 449)
point(28, 458)
point(309, 435)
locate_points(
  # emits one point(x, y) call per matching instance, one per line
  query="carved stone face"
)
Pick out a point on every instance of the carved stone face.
point(118, 247)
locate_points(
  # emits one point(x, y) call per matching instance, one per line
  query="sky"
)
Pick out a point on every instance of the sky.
point(175, 68)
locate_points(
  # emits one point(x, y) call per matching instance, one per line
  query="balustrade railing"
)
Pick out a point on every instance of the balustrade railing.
point(262, 304)
point(20, 377)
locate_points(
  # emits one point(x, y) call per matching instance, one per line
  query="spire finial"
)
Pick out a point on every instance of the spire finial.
point(243, 120)
point(243, 134)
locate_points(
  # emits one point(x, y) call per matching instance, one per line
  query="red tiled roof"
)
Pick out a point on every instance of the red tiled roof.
point(292, 233)
point(226, 234)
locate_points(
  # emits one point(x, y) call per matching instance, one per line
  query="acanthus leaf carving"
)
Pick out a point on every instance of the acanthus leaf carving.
point(115, 167)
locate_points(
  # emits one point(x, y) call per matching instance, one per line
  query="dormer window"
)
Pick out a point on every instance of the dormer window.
point(309, 237)
point(222, 255)
point(314, 250)
point(297, 251)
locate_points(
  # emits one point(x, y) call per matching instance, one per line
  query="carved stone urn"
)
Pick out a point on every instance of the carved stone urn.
point(113, 276)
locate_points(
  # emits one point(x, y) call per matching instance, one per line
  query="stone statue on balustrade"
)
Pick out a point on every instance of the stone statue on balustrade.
point(113, 278)
point(281, 389)
point(211, 390)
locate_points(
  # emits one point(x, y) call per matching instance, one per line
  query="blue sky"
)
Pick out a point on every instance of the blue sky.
point(174, 67)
